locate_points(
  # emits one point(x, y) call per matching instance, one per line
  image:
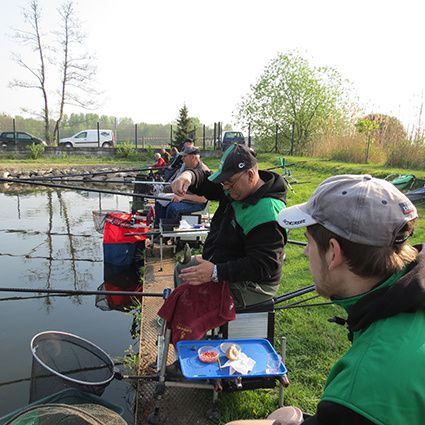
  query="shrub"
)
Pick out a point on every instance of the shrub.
point(347, 148)
point(126, 150)
point(406, 154)
point(35, 151)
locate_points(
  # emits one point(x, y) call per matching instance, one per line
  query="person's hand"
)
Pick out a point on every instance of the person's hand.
point(199, 274)
point(180, 185)
point(177, 198)
point(287, 415)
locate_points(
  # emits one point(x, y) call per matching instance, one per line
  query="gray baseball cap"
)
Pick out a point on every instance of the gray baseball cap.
point(190, 151)
point(359, 208)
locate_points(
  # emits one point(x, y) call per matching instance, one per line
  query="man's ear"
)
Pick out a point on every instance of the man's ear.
point(251, 174)
point(334, 255)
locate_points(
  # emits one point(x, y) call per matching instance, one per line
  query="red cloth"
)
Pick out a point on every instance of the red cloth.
point(192, 310)
point(150, 217)
point(118, 224)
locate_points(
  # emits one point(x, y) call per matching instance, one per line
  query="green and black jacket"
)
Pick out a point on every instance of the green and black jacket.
point(245, 240)
point(380, 380)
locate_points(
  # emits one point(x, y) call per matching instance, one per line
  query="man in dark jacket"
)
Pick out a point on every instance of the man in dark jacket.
point(357, 231)
point(189, 203)
point(176, 164)
point(245, 244)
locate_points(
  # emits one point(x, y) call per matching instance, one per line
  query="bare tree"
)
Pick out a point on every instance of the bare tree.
point(35, 40)
point(77, 68)
point(70, 67)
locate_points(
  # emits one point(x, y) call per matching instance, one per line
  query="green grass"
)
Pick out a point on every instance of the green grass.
point(313, 344)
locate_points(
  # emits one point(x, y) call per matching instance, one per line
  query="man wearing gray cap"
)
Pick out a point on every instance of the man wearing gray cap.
point(189, 202)
point(245, 244)
point(357, 232)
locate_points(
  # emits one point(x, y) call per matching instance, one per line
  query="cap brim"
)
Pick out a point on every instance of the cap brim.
point(295, 217)
point(220, 177)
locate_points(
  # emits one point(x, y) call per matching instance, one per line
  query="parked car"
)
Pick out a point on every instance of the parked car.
point(7, 138)
point(89, 139)
point(230, 137)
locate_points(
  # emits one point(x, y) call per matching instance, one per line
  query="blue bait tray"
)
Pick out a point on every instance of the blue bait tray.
point(259, 350)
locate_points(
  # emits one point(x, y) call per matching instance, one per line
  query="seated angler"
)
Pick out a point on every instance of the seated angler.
point(241, 262)
point(176, 166)
point(244, 247)
point(188, 202)
point(357, 230)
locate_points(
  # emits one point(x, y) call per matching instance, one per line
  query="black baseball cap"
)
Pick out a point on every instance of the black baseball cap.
point(236, 158)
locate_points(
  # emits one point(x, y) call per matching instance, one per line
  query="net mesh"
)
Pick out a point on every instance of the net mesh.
point(99, 218)
point(63, 414)
point(62, 360)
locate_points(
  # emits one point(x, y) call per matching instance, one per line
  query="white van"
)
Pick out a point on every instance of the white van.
point(89, 139)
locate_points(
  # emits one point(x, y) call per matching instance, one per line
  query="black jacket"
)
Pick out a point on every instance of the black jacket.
point(255, 255)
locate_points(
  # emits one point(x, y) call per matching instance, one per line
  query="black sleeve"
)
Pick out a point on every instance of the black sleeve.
point(203, 187)
point(329, 413)
point(263, 256)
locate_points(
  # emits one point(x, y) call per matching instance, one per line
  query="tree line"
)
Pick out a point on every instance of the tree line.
point(301, 109)
point(124, 128)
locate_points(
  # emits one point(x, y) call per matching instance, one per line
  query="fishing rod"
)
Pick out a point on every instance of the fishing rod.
point(280, 166)
point(85, 189)
point(97, 173)
point(296, 242)
point(302, 303)
point(293, 294)
point(81, 292)
point(149, 182)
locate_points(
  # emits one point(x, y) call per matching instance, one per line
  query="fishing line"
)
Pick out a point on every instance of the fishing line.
point(97, 173)
point(81, 292)
point(83, 189)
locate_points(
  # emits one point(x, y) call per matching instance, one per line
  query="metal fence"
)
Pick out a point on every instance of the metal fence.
point(207, 138)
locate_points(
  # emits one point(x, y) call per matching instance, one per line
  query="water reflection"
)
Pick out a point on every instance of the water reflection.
point(119, 278)
point(47, 240)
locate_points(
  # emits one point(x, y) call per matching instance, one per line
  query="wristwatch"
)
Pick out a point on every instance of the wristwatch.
point(214, 276)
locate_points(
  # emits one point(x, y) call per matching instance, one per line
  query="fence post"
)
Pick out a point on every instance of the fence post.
point(276, 138)
point(135, 135)
point(292, 139)
point(203, 137)
point(215, 135)
point(14, 131)
point(249, 135)
point(98, 134)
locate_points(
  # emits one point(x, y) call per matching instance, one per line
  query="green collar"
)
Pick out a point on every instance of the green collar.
point(347, 303)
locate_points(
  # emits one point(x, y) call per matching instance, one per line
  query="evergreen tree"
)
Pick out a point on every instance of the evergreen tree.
point(183, 124)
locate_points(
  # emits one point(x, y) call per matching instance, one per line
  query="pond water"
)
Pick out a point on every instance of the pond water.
point(48, 240)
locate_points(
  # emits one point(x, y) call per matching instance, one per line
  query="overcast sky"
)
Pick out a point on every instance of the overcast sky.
point(155, 56)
